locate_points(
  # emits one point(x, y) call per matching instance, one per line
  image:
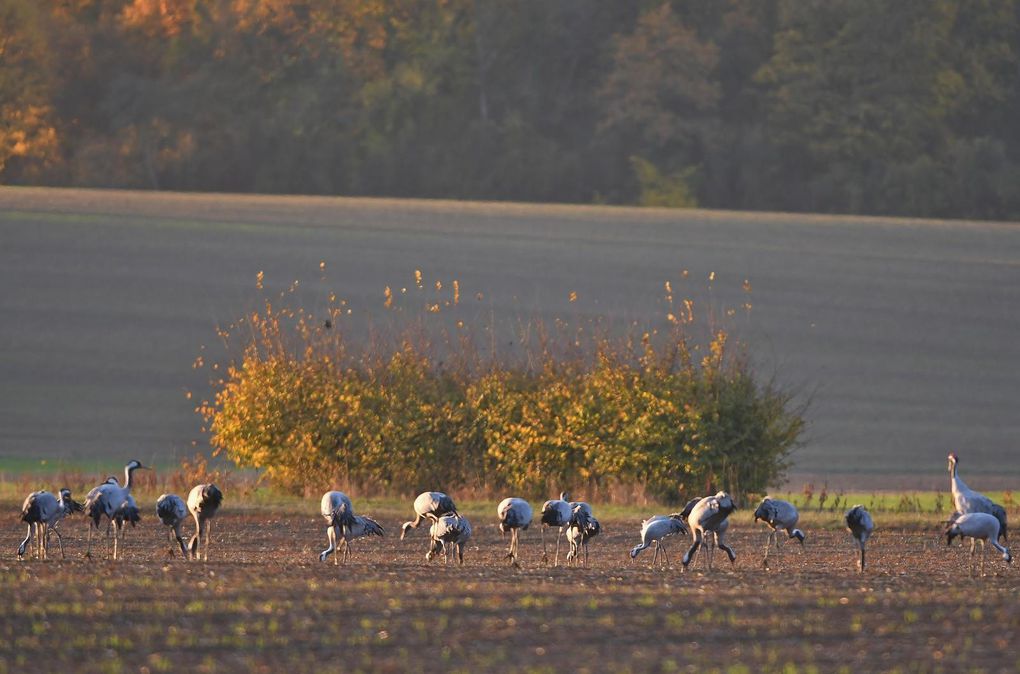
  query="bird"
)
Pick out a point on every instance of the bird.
point(203, 502)
point(859, 522)
point(42, 511)
point(778, 514)
point(654, 530)
point(582, 528)
point(448, 534)
point(106, 500)
point(555, 513)
point(978, 526)
point(344, 526)
point(430, 505)
point(967, 500)
point(514, 516)
point(172, 511)
point(709, 515)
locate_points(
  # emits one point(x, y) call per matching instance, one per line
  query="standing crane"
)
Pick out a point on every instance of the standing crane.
point(203, 502)
point(968, 501)
point(430, 505)
point(514, 516)
point(979, 527)
point(555, 513)
point(706, 516)
point(448, 533)
point(654, 530)
point(344, 526)
point(582, 528)
point(859, 522)
point(172, 511)
point(778, 514)
point(42, 511)
point(106, 500)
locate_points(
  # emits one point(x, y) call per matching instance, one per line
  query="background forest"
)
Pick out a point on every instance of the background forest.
point(852, 106)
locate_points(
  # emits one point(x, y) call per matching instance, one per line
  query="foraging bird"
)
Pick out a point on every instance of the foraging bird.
point(344, 525)
point(514, 516)
point(709, 515)
point(778, 514)
point(555, 513)
point(42, 511)
point(582, 528)
point(106, 500)
point(860, 524)
point(172, 511)
point(448, 534)
point(978, 527)
point(968, 501)
point(203, 502)
point(430, 505)
point(654, 530)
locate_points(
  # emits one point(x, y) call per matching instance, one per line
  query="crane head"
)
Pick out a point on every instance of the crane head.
point(952, 461)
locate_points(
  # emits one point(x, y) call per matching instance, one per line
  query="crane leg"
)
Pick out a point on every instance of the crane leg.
point(60, 541)
point(655, 554)
point(545, 554)
point(689, 555)
point(559, 534)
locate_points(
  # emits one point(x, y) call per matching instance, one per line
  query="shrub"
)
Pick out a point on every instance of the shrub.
point(423, 409)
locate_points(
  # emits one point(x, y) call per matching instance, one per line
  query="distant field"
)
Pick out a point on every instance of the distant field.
point(265, 603)
point(902, 333)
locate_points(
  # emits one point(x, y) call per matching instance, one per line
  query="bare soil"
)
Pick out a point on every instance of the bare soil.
point(265, 603)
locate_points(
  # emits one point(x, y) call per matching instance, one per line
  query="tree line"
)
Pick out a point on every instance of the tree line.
point(852, 106)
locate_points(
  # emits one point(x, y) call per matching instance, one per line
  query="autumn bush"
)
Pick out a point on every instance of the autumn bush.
point(657, 414)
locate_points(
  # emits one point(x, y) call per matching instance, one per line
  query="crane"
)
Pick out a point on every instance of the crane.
point(449, 533)
point(859, 522)
point(654, 530)
point(514, 516)
point(344, 526)
point(967, 500)
point(555, 513)
point(979, 527)
point(106, 500)
point(709, 515)
point(778, 514)
point(429, 505)
point(172, 511)
point(42, 511)
point(582, 528)
point(203, 502)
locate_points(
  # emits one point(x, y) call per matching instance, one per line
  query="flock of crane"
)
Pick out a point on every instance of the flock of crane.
point(705, 519)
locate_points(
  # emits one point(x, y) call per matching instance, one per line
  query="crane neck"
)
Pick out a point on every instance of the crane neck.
point(128, 472)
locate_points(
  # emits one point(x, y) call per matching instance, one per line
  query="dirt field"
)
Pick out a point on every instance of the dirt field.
point(903, 333)
point(265, 603)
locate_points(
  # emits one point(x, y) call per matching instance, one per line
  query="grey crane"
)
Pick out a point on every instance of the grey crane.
point(778, 514)
point(583, 527)
point(653, 532)
point(172, 511)
point(709, 515)
point(42, 511)
point(978, 527)
point(344, 526)
point(968, 501)
point(514, 516)
point(859, 522)
point(555, 513)
point(106, 500)
point(448, 533)
point(429, 505)
point(203, 502)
